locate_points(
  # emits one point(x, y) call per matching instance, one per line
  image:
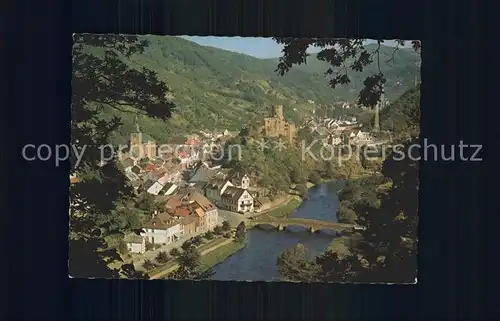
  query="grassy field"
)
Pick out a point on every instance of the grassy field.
point(211, 244)
point(172, 263)
point(286, 209)
point(219, 255)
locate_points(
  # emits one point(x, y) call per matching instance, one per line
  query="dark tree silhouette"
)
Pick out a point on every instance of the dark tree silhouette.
point(102, 80)
point(342, 55)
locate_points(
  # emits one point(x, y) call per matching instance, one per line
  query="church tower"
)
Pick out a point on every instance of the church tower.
point(136, 137)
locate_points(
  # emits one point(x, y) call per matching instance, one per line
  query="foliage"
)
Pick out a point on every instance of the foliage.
point(225, 226)
point(218, 230)
point(162, 257)
point(209, 235)
point(148, 265)
point(314, 177)
point(295, 265)
point(339, 57)
point(149, 246)
point(189, 267)
point(302, 190)
point(99, 203)
point(402, 116)
point(186, 245)
point(196, 240)
point(122, 248)
point(241, 232)
point(175, 252)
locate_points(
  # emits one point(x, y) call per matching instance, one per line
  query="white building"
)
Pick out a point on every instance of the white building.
point(154, 189)
point(227, 196)
point(241, 180)
point(135, 243)
point(162, 229)
point(169, 189)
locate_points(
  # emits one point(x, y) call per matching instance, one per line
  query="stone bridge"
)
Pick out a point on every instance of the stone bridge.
point(311, 224)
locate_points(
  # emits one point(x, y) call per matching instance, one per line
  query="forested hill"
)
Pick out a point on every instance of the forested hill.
point(217, 89)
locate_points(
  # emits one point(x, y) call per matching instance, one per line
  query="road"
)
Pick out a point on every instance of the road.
point(233, 218)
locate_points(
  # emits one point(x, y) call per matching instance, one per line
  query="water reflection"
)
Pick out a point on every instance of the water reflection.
point(257, 261)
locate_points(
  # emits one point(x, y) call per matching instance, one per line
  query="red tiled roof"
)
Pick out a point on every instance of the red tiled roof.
point(182, 211)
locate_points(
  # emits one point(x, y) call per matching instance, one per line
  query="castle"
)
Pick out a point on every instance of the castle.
point(277, 125)
point(142, 145)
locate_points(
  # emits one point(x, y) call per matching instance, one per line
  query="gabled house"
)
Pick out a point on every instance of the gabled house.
point(169, 189)
point(135, 243)
point(240, 180)
point(162, 229)
point(237, 200)
point(152, 187)
point(215, 188)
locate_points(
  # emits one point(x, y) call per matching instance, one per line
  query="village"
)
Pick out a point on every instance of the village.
point(193, 194)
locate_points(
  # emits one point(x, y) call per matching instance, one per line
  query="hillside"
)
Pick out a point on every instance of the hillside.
point(400, 72)
point(217, 89)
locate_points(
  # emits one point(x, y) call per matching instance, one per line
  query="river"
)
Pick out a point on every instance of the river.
point(257, 261)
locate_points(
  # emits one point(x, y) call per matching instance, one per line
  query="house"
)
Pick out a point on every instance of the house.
point(201, 174)
point(199, 187)
point(215, 188)
point(201, 223)
point(169, 189)
point(240, 180)
point(193, 204)
point(128, 163)
point(189, 224)
point(135, 243)
point(152, 187)
point(237, 200)
point(210, 210)
point(132, 176)
point(162, 229)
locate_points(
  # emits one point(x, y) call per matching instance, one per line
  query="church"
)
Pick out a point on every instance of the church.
point(142, 145)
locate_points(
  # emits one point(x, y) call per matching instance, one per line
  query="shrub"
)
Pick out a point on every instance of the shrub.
point(148, 265)
point(162, 257)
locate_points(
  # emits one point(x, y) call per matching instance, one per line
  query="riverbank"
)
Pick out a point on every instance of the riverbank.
point(286, 209)
point(211, 254)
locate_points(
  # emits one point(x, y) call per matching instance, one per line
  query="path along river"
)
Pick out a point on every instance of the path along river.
point(257, 261)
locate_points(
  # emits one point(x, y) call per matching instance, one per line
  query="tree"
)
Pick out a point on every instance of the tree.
point(196, 241)
point(225, 226)
point(146, 202)
point(346, 215)
point(175, 252)
point(218, 230)
point(162, 257)
point(297, 176)
point(148, 265)
point(190, 267)
point(294, 265)
point(104, 81)
point(209, 235)
point(241, 232)
point(302, 190)
point(314, 177)
point(342, 55)
point(186, 245)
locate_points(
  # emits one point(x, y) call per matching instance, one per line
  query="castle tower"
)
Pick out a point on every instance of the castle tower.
point(277, 111)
